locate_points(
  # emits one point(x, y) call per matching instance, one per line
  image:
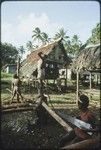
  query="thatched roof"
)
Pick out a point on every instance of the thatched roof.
point(30, 63)
point(87, 59)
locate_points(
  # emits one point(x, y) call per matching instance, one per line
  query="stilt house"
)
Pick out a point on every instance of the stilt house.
point(56, 58)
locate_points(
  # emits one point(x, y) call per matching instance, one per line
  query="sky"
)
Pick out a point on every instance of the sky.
point(19, 19)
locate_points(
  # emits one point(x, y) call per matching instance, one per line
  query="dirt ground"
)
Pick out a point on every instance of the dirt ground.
point(17, 134)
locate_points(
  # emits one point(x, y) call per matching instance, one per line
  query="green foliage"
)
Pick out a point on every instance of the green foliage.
point(9, 54)
point(40, 36)
point(95, 37)
point(45, 38)
point(29, 45)
point(21, 51)
point(61, 34)
point(5, 75)
point(73, 46)
point(37, 35)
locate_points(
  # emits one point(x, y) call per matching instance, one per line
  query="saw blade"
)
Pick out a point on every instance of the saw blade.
point(78, 123)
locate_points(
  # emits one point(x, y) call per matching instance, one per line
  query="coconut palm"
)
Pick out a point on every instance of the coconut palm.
point(21, 51)
point(45, 38)
point(95, 37)
point(29, 45)
point(37, 35)
point(75, 45)
point(61, 34)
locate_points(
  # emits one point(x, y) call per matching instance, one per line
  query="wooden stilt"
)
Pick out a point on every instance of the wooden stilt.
point(90, 78)
point(18, 68)
point(77, 92)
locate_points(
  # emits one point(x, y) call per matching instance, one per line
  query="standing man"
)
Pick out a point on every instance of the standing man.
point(40, 111)
point(16, 87)
point(41, 72)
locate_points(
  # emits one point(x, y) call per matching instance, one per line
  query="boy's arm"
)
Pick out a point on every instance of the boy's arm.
point(92, 120)
point(12, 86)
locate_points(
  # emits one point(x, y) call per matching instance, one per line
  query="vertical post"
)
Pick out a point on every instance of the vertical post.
point(66, 76)
point(41, 87)
point(90, 78)
point(96, 78)
point(77, 92)
point(18, 67)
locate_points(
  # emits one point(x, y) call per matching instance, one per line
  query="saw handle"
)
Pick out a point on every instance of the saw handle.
point(90, 130)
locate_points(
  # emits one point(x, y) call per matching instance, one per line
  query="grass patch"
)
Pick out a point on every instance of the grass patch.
point(65, 98)
point(6, 76)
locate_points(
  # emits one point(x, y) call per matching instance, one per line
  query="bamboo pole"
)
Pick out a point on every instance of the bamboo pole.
point(77, 91)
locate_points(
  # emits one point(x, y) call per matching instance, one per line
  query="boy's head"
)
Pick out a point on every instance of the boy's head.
point(83, 102)
point(15, 76)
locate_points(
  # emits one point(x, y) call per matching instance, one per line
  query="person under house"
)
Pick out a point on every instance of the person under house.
point(40, 111)
point(41, 72)
point(16, 83)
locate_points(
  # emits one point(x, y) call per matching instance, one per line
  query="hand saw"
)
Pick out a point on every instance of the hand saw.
point(78, 123)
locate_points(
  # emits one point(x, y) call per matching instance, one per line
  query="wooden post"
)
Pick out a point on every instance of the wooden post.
point(77, 91)
point(66, 76)
point(90, 78)
point(96, 78)
point(41, 87)
point(18, 68)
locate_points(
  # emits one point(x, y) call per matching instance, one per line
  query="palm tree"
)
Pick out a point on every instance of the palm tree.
point(29, 45)
point(95, 37)
point(75, 45)
point(21, 51)
point(61, 34)
point(45, 38)
point(37, 35)
point(75, 40)
point(67, 46)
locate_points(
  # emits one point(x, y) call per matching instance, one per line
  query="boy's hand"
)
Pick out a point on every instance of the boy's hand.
point(78, 117)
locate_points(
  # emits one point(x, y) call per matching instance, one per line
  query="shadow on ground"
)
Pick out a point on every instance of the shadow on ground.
point(16, 134)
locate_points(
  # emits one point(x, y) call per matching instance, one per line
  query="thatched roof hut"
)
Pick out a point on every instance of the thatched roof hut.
point(55, 52)
point(87, 59)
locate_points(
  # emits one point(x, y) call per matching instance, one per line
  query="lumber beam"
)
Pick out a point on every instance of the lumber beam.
point(86, 144)
point(15, 105)
point(19, 109)
point(57, 118)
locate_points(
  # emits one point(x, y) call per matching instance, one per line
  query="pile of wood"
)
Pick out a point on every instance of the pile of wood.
point(14, 107)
